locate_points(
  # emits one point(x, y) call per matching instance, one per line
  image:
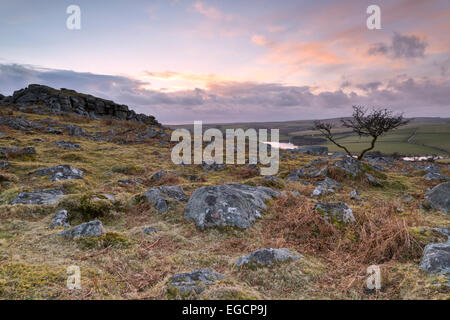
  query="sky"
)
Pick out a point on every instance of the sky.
point(234, 61)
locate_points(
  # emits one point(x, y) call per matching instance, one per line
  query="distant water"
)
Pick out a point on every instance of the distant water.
point(282, 145)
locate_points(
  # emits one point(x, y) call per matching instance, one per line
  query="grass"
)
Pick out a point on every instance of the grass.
point(126, 264)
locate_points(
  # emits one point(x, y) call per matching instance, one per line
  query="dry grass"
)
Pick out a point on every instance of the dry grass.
point(379, 236)
point(335, 256)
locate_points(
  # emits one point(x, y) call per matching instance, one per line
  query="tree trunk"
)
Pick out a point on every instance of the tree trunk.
point(372, 145)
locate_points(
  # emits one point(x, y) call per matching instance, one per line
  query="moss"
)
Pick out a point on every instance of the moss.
point(426, 235)
point(110, 239)
point(72, 156)
point(231, 293)
point(83, 208)
point(127, 169)
point(397, 185)
point(25, 281)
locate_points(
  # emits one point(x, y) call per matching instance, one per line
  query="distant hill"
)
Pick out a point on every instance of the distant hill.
point(422, 136)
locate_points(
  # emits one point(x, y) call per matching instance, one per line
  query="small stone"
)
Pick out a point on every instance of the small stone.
point(431, 176)
point(68, 145)
point(182, 285)
point(350, 166)
point(267, 257)
point(49, 196)
point(51, 130)
point(158, 175)
point(159, 196)
point(4, 164)
point(354, 194)
point(60, 219)
point(213, 166)
point(61, 172)
point(313, 150)
point(339, 211)
point(148, 230)
point(88, 229)
point(373, 181)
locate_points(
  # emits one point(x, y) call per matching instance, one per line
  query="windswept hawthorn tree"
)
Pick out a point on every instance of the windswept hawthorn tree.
point(364, 124)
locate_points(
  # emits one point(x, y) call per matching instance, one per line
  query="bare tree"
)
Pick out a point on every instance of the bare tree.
point(374, 124)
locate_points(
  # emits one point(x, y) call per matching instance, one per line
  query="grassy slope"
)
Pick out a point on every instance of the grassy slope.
point(130, 265)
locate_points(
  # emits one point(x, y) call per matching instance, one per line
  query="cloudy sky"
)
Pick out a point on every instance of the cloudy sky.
point(233, 61)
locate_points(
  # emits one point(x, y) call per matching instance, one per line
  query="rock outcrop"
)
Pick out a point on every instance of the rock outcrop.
point(439, 197)
point(48, 196)
point(60, 219)
point(183, 285)
point(88, 229)
point(65, 100)
point(6, 152)
point(436, 258)
point(61, 172)
point(234, 205)
point(160, 196)
point(326, 186)
point(350, 166)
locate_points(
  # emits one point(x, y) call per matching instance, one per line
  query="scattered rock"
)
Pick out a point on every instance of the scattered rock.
point(326, 186)
point(296, 175)
point(20, 124)
point(60, 219)
point(51, 130)
point(317, 162)
point(148, 134)
point(148, 230)
point(235, 205)
point(159, 196)
point(183, 285)
point(436, 258)
point(350, 166)
point(129, 181)
point(438, 198)
point(272, 178)
point(103, 196)
point(158, 175)
point(61, 172)
point(354, 194)
point(435, 176)
point(68, 145)
point(373, 181)
point(6, 152)
point(267, 257)
point(338, 211)
point(337, 155)
point(313, 150)
point(428, 168)
point(309, 172)
point(409, 198)
point(213, 166)
point(4, 164)
point(73, 130)
point(194, 177)
point(48, 196)
point(88, 229)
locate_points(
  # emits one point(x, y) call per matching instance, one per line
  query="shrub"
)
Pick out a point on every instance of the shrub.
point(108, 240)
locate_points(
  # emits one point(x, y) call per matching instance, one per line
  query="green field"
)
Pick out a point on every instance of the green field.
point(422, 136)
